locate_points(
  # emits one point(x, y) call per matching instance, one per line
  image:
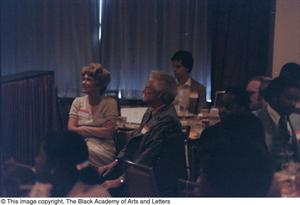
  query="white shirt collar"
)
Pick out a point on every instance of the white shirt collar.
point(273, 114)
point(276, 117)
point(187, 83)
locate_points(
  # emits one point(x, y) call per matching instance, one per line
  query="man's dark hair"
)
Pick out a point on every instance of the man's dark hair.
point(277, 86)
point(185, 58)
point(65, 150)
point(241, 96)
point(290, 71)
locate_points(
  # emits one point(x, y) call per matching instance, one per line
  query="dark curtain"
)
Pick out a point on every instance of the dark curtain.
point(27, 113)
point(141, 35)
point(58, 35)
point(241, 41)
point(138, 36)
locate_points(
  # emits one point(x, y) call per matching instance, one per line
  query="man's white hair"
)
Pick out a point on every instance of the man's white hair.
point(165, 84)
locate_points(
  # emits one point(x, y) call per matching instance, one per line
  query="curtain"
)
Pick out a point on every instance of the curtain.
point(58, 35)
point(241, 40)
point(27, 114)
point(141, 35)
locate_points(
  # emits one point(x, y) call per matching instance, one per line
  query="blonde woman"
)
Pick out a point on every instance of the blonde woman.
point(93, 116)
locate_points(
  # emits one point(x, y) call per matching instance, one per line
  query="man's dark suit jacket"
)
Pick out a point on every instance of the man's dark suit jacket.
point(196, 104)
point(160, 147)
point(271, 132)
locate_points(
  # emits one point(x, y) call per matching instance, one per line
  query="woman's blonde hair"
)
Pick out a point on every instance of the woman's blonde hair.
point(99, 74)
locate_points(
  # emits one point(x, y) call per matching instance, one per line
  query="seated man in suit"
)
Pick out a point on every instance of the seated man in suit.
point(159, 123)
point(191, 95)
point(291, 71)
point(282, 96)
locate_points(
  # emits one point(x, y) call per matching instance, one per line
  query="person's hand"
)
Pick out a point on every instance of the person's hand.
point(81, 130)
point(110, 184)
point(103, 170)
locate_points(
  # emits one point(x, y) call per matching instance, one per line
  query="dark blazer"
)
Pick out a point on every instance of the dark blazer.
point(161, 148)
point(271, 132)
point(196, 104)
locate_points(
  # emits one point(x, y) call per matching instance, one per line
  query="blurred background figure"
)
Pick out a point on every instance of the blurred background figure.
point(236, 122)
point(93, 116)
point(191, 95)
point(235, 100)
point(17, 178)
point(237, 165)
point(63, 169)
point(256, 88)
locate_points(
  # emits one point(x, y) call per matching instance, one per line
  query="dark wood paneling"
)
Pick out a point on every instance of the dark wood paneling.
point(28, 113)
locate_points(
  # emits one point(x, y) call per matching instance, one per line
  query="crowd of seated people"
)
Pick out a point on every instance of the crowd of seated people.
point(256, 135)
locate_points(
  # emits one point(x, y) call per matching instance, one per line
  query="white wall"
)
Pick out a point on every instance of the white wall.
point(286, 34)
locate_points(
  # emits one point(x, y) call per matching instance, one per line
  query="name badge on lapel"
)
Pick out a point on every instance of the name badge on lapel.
point(194, 95)
point(145, 129)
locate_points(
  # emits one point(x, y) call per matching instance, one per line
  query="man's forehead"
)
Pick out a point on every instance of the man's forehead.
point(253, 84)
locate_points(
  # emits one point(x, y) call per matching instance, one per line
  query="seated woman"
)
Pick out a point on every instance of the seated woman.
point(62, 169)
point(93, 116)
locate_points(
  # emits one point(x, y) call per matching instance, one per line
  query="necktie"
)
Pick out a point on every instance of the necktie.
point(284, 129)
point(288, 147)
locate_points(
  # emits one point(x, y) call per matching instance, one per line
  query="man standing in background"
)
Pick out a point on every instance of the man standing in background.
point(191, 95)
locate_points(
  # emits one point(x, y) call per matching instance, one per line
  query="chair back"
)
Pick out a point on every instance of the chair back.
point(140, 180)
point(170, 165)
point(63, 108)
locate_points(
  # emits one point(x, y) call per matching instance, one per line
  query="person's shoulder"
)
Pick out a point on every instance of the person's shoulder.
point(167, 117)
point(81, 98)
point(170, 114)
point(109, 99)
point(261, 113)
point(210, 134)
point(79, 101)
point(211, 130)
point(195, 83)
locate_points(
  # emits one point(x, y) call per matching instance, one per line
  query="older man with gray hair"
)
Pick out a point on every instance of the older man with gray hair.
point(159, 123)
